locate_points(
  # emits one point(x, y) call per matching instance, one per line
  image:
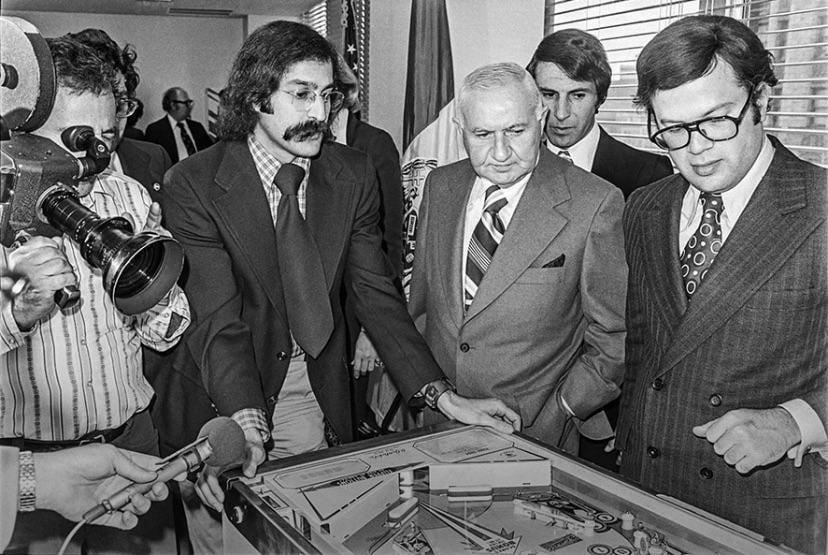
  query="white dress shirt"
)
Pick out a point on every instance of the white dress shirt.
point(179, 142)
point(582, 152)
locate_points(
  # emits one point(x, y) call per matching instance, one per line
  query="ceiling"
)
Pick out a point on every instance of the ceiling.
point(189, 8)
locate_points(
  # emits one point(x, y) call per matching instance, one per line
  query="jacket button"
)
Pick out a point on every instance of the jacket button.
point(715, 400)
point(653, 452)
point(464, 347)
point(706, 473)
point(658, 384)
point(281, 355)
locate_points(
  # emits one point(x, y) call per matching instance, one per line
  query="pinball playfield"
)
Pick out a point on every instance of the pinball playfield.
point(460, 489)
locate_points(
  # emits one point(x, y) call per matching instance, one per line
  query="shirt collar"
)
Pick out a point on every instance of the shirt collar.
point(267, 165)
point(582, 152)
point(736, 198)
point(173, 122)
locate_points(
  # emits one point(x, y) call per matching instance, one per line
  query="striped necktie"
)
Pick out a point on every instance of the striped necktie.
point(566, 156)
point(188, 142)
point(484, 241)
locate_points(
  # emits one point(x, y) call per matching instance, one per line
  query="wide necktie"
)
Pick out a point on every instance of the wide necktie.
point(704, 245)
point(306, 295)
point(484, 241)
point(188, 142)
point(566, 156)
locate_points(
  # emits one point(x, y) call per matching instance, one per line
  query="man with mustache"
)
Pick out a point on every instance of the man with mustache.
point(274, 223)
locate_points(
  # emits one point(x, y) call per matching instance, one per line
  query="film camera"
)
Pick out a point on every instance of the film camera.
point(38, 182)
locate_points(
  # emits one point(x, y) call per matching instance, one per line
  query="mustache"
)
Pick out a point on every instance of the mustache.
point(306, 130)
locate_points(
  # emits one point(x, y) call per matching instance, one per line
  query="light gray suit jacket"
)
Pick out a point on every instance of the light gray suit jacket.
point(549, 314)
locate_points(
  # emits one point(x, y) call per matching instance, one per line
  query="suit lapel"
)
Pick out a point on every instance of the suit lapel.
point(451, 217)
point(324, 211)
point(243, 208)
point(535, 223)
point(661, 255)
point(605, 160)
point(770, 229)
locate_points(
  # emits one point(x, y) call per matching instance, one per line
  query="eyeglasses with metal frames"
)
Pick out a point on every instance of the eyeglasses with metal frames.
point(303, 99)
point(716, 129)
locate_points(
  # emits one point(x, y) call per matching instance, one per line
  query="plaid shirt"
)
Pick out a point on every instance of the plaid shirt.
point(267, 165)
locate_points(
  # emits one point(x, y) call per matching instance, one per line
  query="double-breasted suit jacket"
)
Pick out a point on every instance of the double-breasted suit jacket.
point(754, 335)
point(548, 316)
point(236, 352)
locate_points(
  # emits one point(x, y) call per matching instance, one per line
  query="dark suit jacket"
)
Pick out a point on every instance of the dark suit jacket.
point(160, 133)
point(145, 162)
point(626, 167)
point(549, 313)
point(754, 336)
point(380, 148)
point(235, 353)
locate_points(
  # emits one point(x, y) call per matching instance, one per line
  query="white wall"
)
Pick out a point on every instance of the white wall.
point(482, 32)
point(190, 52)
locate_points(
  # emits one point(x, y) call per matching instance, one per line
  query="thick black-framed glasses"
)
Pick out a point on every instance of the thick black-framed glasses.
point(717, 128)
point(186, 102)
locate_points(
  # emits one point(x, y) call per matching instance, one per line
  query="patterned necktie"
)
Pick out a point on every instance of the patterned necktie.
point(188, 142)
point(705, 243)
point(566, 156)
point(306, 296)
point(484, 241)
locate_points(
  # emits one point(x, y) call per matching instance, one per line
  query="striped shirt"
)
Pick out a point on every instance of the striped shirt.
point(80, 370)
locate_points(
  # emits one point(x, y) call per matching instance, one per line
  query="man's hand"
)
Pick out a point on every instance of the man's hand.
point(365, 356)
point(44, 266)
point(153, 222)
point(73, 481)
point(207, 487)
point(748, 438)
point(486, 412)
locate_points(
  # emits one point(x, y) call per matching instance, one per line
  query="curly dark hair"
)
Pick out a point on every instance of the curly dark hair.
point(123, 60)
point(79, 68)
point(261, 63)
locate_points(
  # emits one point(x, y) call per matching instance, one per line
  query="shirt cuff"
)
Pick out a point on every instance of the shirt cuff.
point(253, 419)
point(811, 430)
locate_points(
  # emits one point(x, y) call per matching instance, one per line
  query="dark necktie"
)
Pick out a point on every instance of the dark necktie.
point(188, 142)
point(566, 156)
point(705, 243)
point(306, 296)
point(484, 241)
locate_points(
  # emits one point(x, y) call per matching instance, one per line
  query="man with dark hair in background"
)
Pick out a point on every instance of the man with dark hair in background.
point(75, 376)
point(574, 76)
point(176, 132)
point(273, 222)
point(140, 160)
point(727, 308)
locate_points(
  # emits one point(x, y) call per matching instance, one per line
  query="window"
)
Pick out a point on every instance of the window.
point(795, 31)
point(317, 18)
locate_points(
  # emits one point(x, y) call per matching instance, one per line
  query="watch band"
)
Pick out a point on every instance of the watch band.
point(26, 482)
point(434, 390)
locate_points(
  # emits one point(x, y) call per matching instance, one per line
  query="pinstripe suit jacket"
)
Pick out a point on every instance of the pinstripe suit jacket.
point(755, 335)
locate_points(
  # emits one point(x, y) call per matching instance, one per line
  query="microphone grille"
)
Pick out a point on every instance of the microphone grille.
point(226, 439)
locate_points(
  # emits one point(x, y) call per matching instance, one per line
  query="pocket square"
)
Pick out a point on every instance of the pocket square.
point(557, 263)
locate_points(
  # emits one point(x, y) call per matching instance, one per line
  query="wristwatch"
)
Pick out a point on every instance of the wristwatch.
point(434, 390)
point(26, 482)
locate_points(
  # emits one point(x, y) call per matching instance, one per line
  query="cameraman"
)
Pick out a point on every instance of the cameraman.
point(75, 376)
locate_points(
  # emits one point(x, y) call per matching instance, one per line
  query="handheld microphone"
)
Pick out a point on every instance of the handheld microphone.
point(220, 442)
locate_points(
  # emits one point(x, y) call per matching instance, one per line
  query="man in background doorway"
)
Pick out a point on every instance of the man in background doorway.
point(176, 132)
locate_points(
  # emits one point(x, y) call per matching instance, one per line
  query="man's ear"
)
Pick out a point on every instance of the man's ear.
point(761, 100)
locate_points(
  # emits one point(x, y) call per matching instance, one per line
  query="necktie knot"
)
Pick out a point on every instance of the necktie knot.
point(565, 155)
point(494, 201)
point(288, 178)
point(712, 201)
